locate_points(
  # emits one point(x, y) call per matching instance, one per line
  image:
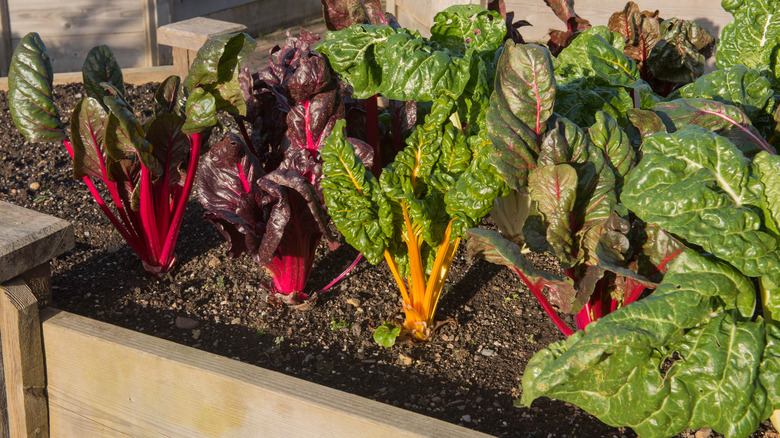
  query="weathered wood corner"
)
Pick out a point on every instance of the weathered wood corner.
point(28, 241)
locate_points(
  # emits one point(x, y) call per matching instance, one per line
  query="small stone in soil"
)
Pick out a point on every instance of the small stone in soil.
point(186, 323)
point(196, 334)
point(35, 186)
point(466, 418)
point(353, 302)
point(487, 352)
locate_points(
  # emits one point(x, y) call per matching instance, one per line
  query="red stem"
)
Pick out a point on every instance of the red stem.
point(337, 279)
point(536, 290)
point(180, 202)
point(372, 132)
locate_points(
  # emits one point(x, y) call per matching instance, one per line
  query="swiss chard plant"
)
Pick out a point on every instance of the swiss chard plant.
point(147, 167)
point(442, 182)
point(262, 190)
point(573, 178)
point(704, 348)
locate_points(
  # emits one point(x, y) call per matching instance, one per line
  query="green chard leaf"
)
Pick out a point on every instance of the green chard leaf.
point(718, 117)
point(30, 92)
point(213, 80)
point(659, 356)
point(698, 185)
point(461, 27)
point(398, 64)
point(494, 248)
point(752, 38)
point(680, 53)
point(353, 197)
point(607, 135)
point(739, 86)
point(519, 109)
point(88, 128)
point(554, 188)
point(101, 66)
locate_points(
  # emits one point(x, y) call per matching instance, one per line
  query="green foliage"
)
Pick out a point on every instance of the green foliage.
point(386, 334)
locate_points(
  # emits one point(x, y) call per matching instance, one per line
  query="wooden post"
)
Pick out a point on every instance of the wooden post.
point(28, 240)
point(187, 36)
point(23, 366)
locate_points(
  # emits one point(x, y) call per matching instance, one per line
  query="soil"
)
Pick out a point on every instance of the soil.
point(468, 374)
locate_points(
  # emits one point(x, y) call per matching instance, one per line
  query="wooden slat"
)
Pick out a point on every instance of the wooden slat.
point(76, 17)
point(23, 366)
point(150, 32)
point(3, 400)
point(261, 17)
point(107, 381)
point(5, 43)
point(135, 76)
point(29, 239)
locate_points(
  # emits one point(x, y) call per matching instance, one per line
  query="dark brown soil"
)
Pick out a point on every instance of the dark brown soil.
point(468, 374)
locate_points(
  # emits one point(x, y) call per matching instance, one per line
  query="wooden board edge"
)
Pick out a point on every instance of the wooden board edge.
point(135, 76)
point(254, 398)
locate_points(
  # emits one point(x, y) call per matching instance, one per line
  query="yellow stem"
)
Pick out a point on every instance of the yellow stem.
point(434, 279)
point(416, 269)
point(394, 269)
point(442, 275)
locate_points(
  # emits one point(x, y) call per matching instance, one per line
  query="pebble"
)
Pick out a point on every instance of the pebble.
point(357, 329)
point(404, 359)
point(214, 262)
point(354, 302)
point(466, 418)
point(35, 186)
point(487, 352)
point(235, 321)
point(196, 334)
point(183, 322)
point(704, 432)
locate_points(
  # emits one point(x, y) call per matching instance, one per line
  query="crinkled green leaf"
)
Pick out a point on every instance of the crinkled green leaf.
point(680, 358)
point(554, 188)
point(29, 92)
point(607, 135)
point(101, 66)
point(398, 64)
point(215, 71)
point(519, 109)
point(718, 117)
point(494, 248)
point(88, 129)
point(125, 134)
point(698, 185)
point(461, 27)
point(646, 122)
point(352, 196)
point(752, 38)
point(575, 61)
point(579, 100)
point(610, 64)
point(171, 145)
point(741, 87)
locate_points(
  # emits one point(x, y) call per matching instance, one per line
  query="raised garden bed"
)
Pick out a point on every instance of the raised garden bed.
point(482, 357)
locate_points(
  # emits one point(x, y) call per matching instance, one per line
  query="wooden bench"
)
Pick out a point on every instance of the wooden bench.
point(28, 241)
point(187, 36)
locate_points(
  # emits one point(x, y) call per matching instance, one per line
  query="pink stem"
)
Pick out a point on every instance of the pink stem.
point(180, 202)
point(372, 132)
point(359, 256)
point(534, 288)
point(148, 216)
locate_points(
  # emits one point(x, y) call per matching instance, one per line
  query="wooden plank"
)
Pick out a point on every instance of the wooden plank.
point(104, 381)
point(135, 76)
point(198, 8)
point(29, 239)
point(191, 34)
point(6, 50)
point(23, 366)
point(67, 53)
point(76, 17)
point(3, 399)
point(150, 32)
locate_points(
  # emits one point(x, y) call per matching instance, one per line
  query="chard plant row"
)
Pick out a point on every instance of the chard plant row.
point(656, 186)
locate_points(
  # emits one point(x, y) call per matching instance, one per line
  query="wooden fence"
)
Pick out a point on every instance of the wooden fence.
point(71, 28)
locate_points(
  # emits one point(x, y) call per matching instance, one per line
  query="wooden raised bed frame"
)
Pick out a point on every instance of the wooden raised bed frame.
point(71, 376)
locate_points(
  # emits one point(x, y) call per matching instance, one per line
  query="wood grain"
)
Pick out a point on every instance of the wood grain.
point(23, 365)
point(29, 239)
point(106, 381)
